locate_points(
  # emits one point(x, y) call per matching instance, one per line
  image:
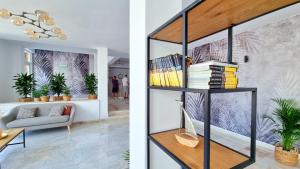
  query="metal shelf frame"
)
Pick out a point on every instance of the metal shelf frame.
point(207, 104)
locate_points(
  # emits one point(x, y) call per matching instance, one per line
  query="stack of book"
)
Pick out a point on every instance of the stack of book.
point(166, 71)
point(212, 75)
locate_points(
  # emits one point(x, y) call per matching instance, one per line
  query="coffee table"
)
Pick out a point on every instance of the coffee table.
point(12, 134)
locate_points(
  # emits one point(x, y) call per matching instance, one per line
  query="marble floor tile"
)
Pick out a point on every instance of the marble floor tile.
point(95, 145)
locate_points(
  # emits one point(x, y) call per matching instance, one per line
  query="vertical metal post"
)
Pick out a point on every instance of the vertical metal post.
point(207, 130)
point(253, 125)
point(148, 102)
point(24, 139)
point(229, 53)
point(184, 54)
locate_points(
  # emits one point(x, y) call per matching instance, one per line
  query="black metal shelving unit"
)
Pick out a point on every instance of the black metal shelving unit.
point(183, 15)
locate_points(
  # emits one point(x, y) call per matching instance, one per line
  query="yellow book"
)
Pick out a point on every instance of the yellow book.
point(231, 86)
point(230, 69)
point(174, 78)
point(231, 79)
point(179, 75)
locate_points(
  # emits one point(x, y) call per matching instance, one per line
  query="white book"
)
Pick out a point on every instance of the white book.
point(206, 65)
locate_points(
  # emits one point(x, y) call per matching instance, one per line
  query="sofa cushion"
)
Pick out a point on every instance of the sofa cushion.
point(56, 111)
point(43, 120)
point(67, 110)
point(25, 113)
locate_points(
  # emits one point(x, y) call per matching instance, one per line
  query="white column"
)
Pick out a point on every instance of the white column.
point(137, 127)
point(102, 74)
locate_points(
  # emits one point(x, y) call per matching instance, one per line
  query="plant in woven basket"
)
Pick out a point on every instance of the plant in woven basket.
point(286, 121)
point(44, 93)
point(66, 92)
point(91, 84)
point(45, 90)
point(126, 157)
point(24, 84)
point(57, 83)
point(36, 93)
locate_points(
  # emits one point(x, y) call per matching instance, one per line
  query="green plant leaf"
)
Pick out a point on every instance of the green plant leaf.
point(24, 84)
point(57, 83)
point(91, 83)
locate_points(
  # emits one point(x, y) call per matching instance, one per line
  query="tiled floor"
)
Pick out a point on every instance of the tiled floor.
point(97, 145)
point(117, 104)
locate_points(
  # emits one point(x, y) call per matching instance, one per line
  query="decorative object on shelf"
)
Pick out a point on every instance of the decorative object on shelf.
point(66, 92)
point(57, 84)
point(287, 123)
point(212, 75)
point(45, 93)
point(187, 136)
point(166, 71)
point(2, 134)
point(36, 94)
point(24, 85)
point(42, 25)
point(91, 85)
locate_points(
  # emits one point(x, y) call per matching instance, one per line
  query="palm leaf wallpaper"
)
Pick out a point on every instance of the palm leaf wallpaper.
point(74, 66)
point(273, 68)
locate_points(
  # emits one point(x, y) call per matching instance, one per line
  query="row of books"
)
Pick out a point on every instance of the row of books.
point(166, 71)
point(212, 75)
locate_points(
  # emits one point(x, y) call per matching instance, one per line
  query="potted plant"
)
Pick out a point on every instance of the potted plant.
point(36, 94)
point(287, 123)
point(57, 84)
point(66, 92)
point(91, 85)
point(45, 93)
point(24, 84)
point(126, 157)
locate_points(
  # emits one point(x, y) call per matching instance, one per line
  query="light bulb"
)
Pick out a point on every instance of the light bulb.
point(35, 36)
point(4, 13)
point(62, 36)
point(50, 21)
point(29, 31)
point(18, 21)
point(56, 30)
point(42, 15)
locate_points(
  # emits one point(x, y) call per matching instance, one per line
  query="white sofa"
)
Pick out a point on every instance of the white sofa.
point(42, 121)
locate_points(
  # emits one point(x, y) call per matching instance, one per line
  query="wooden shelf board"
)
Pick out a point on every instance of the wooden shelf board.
point(239, 89)
point(220, 158)
point(212, 16)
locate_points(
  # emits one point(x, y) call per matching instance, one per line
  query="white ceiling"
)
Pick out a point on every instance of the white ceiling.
point(87, 23)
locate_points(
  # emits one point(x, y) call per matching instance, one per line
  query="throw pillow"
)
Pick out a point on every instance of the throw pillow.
point(25, 113)
point(67, 110)
point(56, 111)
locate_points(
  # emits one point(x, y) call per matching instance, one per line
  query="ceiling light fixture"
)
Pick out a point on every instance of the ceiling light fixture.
point(40, 20)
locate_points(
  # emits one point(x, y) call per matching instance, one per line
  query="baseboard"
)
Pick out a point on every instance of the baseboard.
point(236, 136)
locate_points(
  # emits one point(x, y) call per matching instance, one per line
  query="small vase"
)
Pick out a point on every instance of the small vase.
point(45, 98)
point(37, 99)
point(92, 97)
point(289, 158)
point(28, 99)
point(57, 98)
point(67, 98)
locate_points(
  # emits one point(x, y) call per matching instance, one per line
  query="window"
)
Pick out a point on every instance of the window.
point(28, 61)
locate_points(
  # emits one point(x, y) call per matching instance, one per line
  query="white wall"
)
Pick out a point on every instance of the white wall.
point(137, 64)
point(156, 13)
point(102, 74)
point(12, 61)
point(186, 3)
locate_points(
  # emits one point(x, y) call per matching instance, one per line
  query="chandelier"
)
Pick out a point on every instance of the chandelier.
point(42, 23)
